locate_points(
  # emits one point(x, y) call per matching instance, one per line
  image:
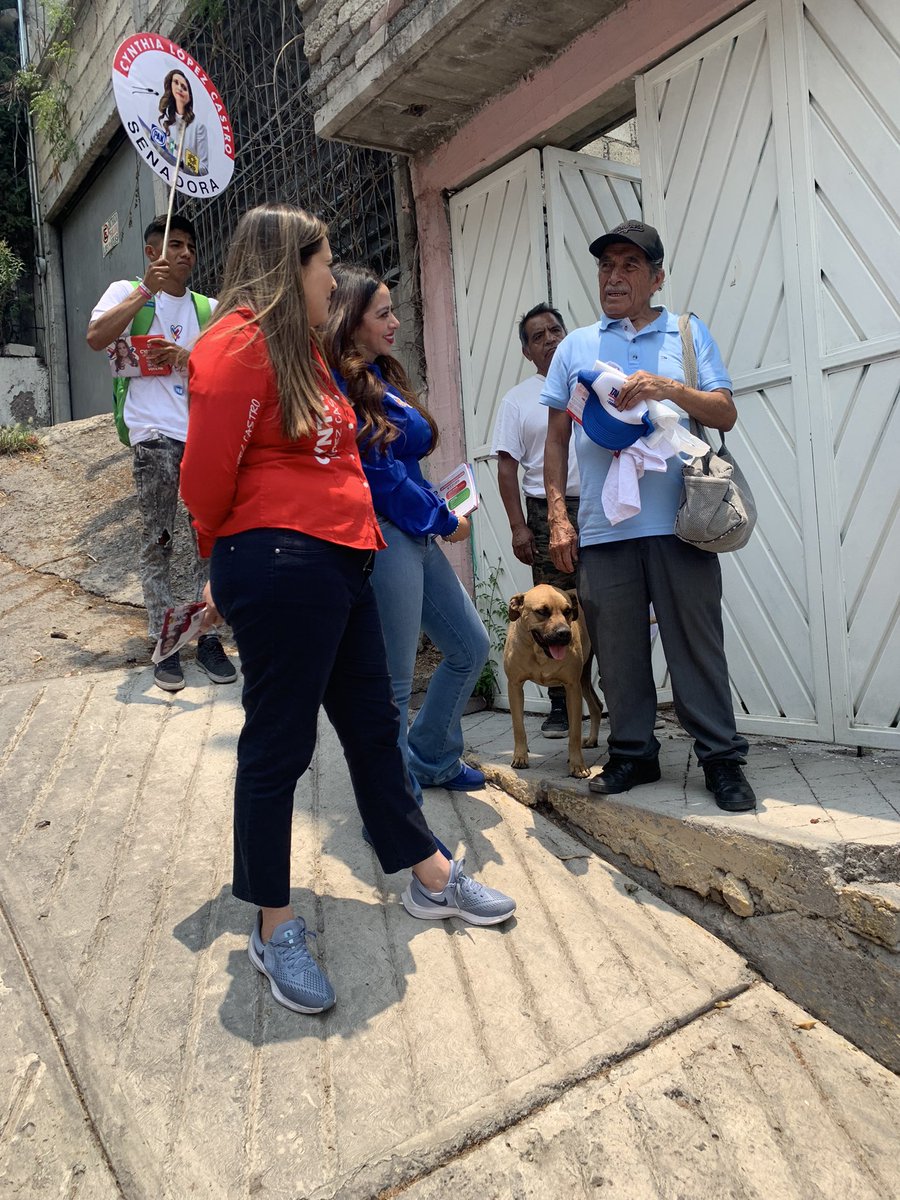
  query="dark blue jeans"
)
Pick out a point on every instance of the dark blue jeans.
point(307, 629)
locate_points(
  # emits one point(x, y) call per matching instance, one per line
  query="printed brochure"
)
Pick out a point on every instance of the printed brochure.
point(128, 357)
point(181, 625)
point(459, 490)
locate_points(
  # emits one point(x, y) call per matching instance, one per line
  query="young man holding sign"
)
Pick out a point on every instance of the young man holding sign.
point(152, 413)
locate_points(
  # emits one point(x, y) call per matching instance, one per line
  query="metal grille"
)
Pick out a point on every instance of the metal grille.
point(254, 55)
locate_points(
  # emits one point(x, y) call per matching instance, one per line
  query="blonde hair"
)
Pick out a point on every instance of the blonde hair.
point(356, 287)
point(263, 272)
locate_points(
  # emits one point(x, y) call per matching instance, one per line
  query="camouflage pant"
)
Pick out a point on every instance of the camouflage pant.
point(156, 467)
point(543, 569)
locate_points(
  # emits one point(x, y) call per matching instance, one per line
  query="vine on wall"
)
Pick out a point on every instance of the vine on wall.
point(41, 86)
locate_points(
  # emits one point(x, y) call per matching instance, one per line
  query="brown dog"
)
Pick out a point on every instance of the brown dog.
point(547, 643)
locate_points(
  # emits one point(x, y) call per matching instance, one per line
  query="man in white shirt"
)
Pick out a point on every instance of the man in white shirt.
point(156, 415)
point(519, 436)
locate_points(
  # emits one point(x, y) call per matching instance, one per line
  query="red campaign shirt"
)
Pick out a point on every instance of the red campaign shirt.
point(240, 472)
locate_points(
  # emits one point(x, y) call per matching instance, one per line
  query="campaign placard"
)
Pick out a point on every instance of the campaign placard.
point(162, 93)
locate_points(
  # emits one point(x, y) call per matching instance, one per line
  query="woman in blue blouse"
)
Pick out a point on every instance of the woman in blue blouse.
point(414, 583)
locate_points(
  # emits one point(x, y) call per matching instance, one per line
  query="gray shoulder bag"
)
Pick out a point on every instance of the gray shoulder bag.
point(717, 510)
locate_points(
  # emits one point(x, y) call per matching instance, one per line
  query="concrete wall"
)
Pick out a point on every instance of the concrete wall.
point(337, 30)
point(343, 35)
point(404, 76)
point(24, 388)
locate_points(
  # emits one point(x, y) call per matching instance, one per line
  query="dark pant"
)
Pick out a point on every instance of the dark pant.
point(543, 569)
point(306, 626)
point(617, 581)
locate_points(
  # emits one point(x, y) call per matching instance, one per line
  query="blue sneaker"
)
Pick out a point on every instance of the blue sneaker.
point(466, 779)
point(462, 897)
point(294, 976)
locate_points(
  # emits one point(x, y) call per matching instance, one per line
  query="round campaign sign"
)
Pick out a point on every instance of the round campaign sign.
point(161, 93)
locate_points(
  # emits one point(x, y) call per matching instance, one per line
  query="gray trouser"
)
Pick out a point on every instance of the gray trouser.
point(617, 581)
point(156, 466)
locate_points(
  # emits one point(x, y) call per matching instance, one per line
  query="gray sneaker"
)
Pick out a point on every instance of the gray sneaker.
point(462, 897)
point(212, 659)
point(168, 674)
point(296, 979)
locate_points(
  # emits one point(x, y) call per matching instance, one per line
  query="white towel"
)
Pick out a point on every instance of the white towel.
point(621, 493)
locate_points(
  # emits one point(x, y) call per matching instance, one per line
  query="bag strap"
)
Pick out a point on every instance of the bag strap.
point(691, 374)
point(689, 366)
point(202, 308)
point(688, 351)
point(143, 318)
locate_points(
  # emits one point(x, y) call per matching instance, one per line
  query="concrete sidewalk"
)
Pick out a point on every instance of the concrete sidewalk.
point(807, 886)
point(599, 1040)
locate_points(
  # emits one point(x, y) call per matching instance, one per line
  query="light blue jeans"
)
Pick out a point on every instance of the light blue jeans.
point(416, 588)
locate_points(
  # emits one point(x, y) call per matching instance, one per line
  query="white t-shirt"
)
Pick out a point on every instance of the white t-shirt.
point(157, 403)
point(521, 431)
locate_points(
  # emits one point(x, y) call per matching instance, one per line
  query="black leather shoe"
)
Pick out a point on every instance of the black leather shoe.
point(730, 789)
point(622, 774)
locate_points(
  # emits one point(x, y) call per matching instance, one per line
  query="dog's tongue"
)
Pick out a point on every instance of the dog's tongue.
point(557, 652)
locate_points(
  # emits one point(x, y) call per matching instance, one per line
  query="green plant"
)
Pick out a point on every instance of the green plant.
point(211, 12)
point(49, 107)
point(18, 439)
point(11, 268)
point(45, 93)
point(60, 18)
point(494, 613)
point(16, 223)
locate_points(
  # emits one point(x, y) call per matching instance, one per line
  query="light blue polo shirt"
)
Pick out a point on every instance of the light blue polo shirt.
point(655, 348)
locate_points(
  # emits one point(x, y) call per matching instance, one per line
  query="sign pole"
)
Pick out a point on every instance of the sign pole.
point(165, 244)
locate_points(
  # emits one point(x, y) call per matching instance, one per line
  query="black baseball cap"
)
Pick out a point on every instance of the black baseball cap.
point(643, 236)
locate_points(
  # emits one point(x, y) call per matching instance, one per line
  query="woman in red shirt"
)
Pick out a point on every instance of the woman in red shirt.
point(272, 477)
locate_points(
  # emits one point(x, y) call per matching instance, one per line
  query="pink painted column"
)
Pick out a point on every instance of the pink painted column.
point(441, 348)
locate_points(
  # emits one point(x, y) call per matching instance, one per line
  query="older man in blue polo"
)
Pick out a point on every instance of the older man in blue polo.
point(626, 553)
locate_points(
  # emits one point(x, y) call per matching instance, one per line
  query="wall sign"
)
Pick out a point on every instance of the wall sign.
point(109, 233)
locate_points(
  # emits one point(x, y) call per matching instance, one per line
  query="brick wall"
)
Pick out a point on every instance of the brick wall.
point(344, 34)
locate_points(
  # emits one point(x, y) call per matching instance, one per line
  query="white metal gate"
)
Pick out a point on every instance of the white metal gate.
point(499, 266)
point(771, 167)
point(585, 197)
point(500, 271)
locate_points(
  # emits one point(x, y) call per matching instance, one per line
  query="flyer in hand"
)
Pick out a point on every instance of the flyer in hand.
point(459, 490)
point(181, 625)
point(128, 357)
